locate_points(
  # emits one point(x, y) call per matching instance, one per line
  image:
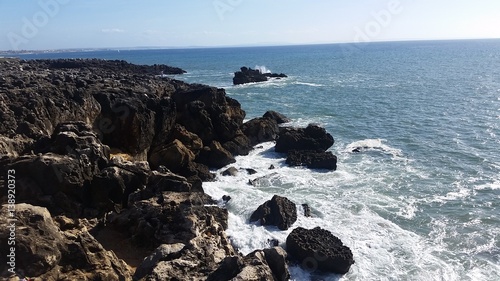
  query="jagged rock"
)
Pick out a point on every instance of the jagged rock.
point(215, 156)
point(312, 159)
point(271, 167)
point(260, 130)
point(307, 210)
point(279, 211)
point(268, 264)
point(126, 122)
point(231, 171)
point(60, 177)
point(248, 75)
point(44, 252)
point(190, 140)
point(312, 137)
point(174, 156)
point(198, 109)
point(319, 249)
point(239, 145)
point(159, 182)
point(163, 252)
point(179, 218)
point(276, 116)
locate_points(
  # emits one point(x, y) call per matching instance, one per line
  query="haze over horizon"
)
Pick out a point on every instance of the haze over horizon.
point(70, 24)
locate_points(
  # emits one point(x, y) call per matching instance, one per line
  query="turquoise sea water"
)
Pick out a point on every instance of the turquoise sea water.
point(422, 200)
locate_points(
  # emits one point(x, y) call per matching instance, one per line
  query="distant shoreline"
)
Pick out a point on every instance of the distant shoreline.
point(76, 50)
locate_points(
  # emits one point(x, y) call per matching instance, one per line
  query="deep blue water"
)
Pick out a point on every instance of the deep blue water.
point(422, 202)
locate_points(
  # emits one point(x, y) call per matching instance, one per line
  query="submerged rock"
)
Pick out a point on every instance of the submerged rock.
point(319, 249)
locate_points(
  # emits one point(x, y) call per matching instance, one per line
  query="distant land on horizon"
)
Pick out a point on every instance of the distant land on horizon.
point(76, 50)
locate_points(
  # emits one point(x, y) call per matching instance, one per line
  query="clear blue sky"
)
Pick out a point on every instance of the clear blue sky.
point(56, 24)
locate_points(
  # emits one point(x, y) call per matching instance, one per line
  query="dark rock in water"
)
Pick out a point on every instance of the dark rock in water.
point(312, 159)
point(226, 198)
point(248, 75)
point(307, 210)
point(312, 137)
point(272, 167)
point(268, 264)
point(279, 211)
point(260, 130)
point(319, 249)
point(231, 171)
point(276, 116)
point(273, 242)
point(251, 171)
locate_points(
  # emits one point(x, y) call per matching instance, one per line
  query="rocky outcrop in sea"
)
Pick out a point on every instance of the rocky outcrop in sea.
point(109, 160)
point(248, 75)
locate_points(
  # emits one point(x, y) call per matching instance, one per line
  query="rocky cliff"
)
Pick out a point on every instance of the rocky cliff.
point(109, 160)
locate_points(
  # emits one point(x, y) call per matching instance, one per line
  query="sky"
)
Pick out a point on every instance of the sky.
point(65, 24)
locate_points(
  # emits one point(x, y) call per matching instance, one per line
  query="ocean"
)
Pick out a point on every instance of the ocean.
point(421, 201)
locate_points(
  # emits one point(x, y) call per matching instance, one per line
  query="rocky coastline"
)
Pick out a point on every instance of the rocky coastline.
point(109, 160)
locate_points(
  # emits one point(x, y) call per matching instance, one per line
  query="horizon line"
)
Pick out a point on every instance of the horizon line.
point(230, 46)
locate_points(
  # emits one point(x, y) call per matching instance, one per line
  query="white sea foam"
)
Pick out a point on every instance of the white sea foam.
point(308, 84)
point(373, 144)
point(262, 69)
point(339, 204)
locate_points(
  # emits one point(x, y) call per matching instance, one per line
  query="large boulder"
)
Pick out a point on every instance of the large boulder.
point(313, 137)
point(312, 159)
point(319, 249)
point(260, 130)
point(279, 211)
